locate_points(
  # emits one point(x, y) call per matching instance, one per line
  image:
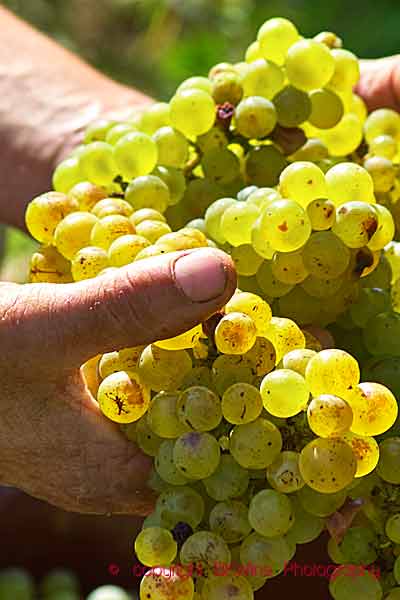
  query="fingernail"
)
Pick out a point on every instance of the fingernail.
point(201, 275)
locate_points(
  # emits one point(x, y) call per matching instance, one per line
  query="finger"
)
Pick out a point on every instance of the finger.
point(379, 84)
point(149, 300)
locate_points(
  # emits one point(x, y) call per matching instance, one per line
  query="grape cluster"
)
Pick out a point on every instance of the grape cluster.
point(262, 428)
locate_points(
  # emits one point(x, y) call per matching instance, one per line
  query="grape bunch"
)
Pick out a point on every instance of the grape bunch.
point(277, 418)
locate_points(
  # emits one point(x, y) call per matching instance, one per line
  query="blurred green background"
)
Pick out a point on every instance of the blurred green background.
point(155, 44)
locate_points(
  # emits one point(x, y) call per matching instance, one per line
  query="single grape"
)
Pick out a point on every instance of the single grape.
point(136, 154)
point(374, 408)
point(192, 111)
point(196, 454)
point(163, 370)
point(229, 480)
point(293, 106)
point(47, 265)
point(155, 546)
point(309, 65)
point(97, 163)
point(327, 465)
point(325, 256)
point(227, 587)
point(237, 222)
point(236, 333)
point(123, 397)
point(275, 37)
point(326, 109)
point(349, 182)
point(180, 504)
point(348, 583)
point(262, 78)
point(297, 360)
point(88, 263)
point(45, 212)
point(329, 416)
point(383, 121)
point(241, 403)
point(306, 527)
point(284, 473)
point(389, 466)
point(285, 225)
point(284, 393)
point(303, 182)
point(255, 445)
point(255, 117)
point(165, 584)
point(230, 521)
point(264, 164)
point(199, 408)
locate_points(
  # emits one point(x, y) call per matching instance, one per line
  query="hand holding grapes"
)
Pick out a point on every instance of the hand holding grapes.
point(380, 83)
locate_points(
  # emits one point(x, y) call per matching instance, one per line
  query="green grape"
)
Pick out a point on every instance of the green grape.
point(297, 360)
point(327, 465)
point(293, 106)
point(206, 549)
point(256, 445)
point(125, 359)
point(146, 439)
point(306, 527)
point(192, 111)
point(180, 504)
point(182, 240)
point(48, 266)
point(108, 229)
point(227, 587)
point(260, 244)
point(88, 263)
point(59, 581)
point(148, 191)
point(262, 78)
point(284, 474)
point(154, 117)
point(275, 37)
point(199, 408)
point(325, 255)
point(155, 546)
point(97, 163)
point(309, 65)
point(229, 480)
point(263, 165)
point(348, 584)
point(165, 466)
point(162, 416)
point(117, 132)
point(385, 231)
point(349, 182)
point(382, 171)
point(284, 393)
point(251, 305)
point(302, 181)
point(199, 224)
point(381, 336)
point(285, 336)
point(326, 109)
point(135, 154)
point(321, 288)
point(345, 137)
point(253, 52)
point(320, 504)
point(165, 584)
point(213, 139)
point(124, 249)
point(266, 556)
point(388, 466)
point(213, 218)
point(300, 307)
point(392, 528)
point(347, 70)
point(45, 212)
point(163, 370)
point(383, 121)
point(196, 454)
point(67, 174)
point(97, 131)
point(73, 233)
point(246, 259)
point(87, 195)
point(108, 592)
point(261, 358)
point(174, 179)
point(356, 223)
point(261, 197)
point(220, 165)
point(370, 303)
point(230, 521)
point(196, 83)
point(241, 403)
point(112, 206)
point(16, 584)
point(329, 416)
point(255, 117)
point(237, 222)
point(313, 150)
point(332, 371)
point(236, 333)
point(227, 87)
point(230, 369)
point(286, 225)
point(383, 145)
point(123, 397)
point(358, 546)
point(173, 148)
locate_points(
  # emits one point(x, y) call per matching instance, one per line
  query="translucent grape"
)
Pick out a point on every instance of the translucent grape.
point(284, 393)
point(165, 584)
point(325, 255)
point(265, 556)
point(87, 195)
point(97, 163)
point(260, 243)
point(253, 306)
point(88, 263)
point(383, 121)
point(382, 171)
point(285, 336)
point(241, 403)
point(47, 265)
point(275, 37)
point(356, 223)
point(224, 588)
point(112, 206)
point(187, 339)
point(196, 83)
point(255, 445)
point(140, 433)
point(136, 154)
point(347, 70)
point(332, 371)
point(207, 549)
point(309, 65)
point(230, 521)
point(303, 182)
point(385, 231)
point(163, 370)
point(123, 397)
point(124, 249)
point(192, 112)
point(329, 416)
point(345, 137)
point(383, 145)
point(306, 527)
point(45, 212)
point(269, 283)
point(284, 473)
point(349, 182)
point(165, 466)
point(196, 454)
point(180, 504)
point(293, 106)
point(246, 259)
point(229, 480)
point(148, 191)
point(174, 179)
point(220, 165)
point(213, 218)
point(173, 148)
point(285, 225)
point(346, 584)
point(227, 87)
point(253, 52)
point(321, 214)
point(162, 416)
point(236, 333)
point(327, 465)
point(230, 369)
point(255, 117)
point(155, 546)
point(237, 222)
point(326, 109)
point(366, 451)
point(392, 528)
point(108, 229)
point(199, 408)
point(67, 174)
point(261, 358)
point(117, 132)
point(374, 408)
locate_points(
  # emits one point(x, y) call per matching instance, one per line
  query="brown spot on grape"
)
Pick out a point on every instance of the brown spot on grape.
point(283, 226)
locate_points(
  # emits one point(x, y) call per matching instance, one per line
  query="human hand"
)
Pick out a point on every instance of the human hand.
point(379, 84)
point(54, 442)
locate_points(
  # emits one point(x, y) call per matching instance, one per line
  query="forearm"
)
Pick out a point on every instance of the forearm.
point(47, 97)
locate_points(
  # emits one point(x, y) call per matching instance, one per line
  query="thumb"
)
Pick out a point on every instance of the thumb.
point(379, 84)
point(147, 301)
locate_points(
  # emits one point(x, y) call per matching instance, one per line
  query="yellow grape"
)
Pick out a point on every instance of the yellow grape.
point(374, 408)
point(327, 465)
point(329, 416)
point(123, 397)
point(366, 451)
point(332, 371)
point(236, 333)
